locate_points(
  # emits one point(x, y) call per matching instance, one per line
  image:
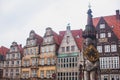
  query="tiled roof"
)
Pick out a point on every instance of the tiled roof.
point(39, 38)
point(111, 21)
point(77, 34)
point(20, 48)
point(3, 50)
point(56, 38)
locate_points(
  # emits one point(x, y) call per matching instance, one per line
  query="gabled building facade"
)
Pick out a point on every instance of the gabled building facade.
point(48, 55)
point(12, 63)
point(69, 55)
point(3, 51)
point(31, 57)
point(108, 45)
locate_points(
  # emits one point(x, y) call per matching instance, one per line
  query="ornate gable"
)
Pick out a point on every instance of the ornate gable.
point(50, 41)
point(33, 39)
point(68, 43)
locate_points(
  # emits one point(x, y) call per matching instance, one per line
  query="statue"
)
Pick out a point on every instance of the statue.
point(91, 59)
point(90, 53)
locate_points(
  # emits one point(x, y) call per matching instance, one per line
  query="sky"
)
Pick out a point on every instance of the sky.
point(19, 17)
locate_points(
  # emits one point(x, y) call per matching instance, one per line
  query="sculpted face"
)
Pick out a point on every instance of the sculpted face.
point(88, 41)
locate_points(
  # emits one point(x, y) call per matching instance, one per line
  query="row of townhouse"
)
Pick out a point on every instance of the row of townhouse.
point(58, 56)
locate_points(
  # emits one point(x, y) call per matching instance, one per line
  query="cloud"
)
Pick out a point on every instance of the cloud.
point(18, 17)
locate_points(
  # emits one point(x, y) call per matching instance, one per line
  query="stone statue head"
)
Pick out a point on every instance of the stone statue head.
point(88, 41)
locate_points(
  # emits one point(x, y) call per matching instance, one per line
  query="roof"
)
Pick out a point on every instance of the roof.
point(112, 21)
point(39, 38)
point(36, 36)
point(56, 38)
point(20, 48)
point(3, 50)
point(77, 34)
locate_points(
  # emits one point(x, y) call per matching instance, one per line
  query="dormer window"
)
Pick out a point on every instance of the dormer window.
point(102, 26)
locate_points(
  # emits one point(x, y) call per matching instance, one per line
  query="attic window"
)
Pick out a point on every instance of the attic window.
point(102, 26)
point(109, 34)
point(77, 36)
point(68, 39)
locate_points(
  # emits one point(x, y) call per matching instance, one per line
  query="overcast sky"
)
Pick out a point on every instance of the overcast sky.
point(19, 17)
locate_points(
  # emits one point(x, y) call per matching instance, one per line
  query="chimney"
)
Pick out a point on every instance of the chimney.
point(117, 15)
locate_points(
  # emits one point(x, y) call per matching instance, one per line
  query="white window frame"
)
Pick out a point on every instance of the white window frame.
point(99, 48)
point(113, 48)
point(102, 35)
point(109, 34)
point(48, 61)
point(48, 73)
point(107, 48)
point(102, 26)
point(42, 61)
point(43, 49)
point(47, 49)
point(42, 74)
point(52, 60)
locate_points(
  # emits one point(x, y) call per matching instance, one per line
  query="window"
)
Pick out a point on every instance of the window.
point(99, 48)
point(42, 74)
point(47, 49)
point(72, 48)
point(102, 35)
point(52, 60)
point(13, 55)
point(45, 40)
point(43, 49)
point(31, 52)
point(33, 61)
point(63, 49)
point(42, 61)
point(18, 55)
point(102, 26)
point(17, 62)
point(34, 73)
point(48, 74)
point(28, 62)
point(48, 61)
point(67, 39)
point(109, 34)
point(68, 48)
point(35, 52)
point(113, 48)
point(96, 35)
point(51, 48)
point(109, 63)
point(13, 62)
point(107, 48)
point(17, 71)
point(26, 52)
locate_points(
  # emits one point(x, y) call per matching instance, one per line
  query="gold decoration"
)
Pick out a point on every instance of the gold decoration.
point(91, 53)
